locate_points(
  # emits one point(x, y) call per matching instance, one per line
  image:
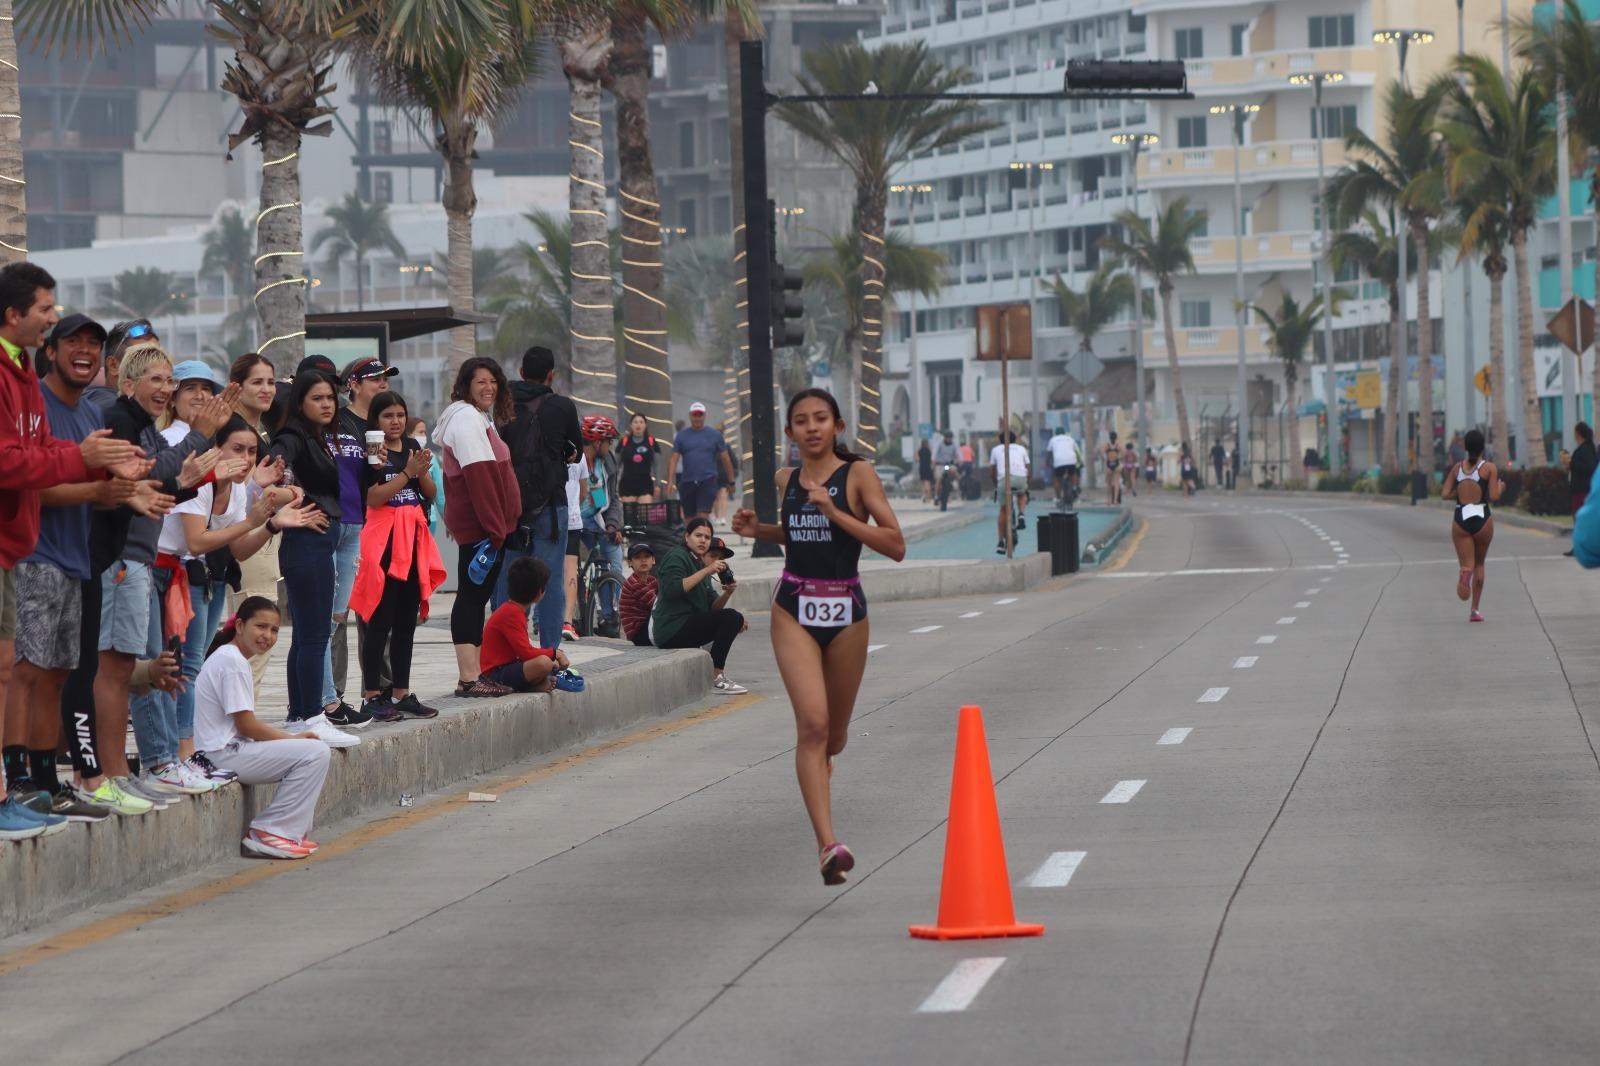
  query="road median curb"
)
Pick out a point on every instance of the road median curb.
point(48, 877)
point(1503, 516)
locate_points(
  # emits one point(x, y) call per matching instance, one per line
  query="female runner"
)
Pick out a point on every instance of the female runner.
point(1474, 484)
point(819, 621)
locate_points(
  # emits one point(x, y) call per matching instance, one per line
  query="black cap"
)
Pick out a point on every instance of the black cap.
point(74, 324)
point(641, 549)
point(720, 545)
point(368, 366)
point(317, 362)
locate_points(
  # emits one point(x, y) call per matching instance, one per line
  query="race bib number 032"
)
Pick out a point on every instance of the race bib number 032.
point(826, 612)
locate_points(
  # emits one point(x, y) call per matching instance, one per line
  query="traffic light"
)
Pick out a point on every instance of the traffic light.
point(1126, 76)
point(786, 307)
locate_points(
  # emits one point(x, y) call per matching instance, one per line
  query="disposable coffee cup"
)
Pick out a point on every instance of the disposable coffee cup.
point(375, 447)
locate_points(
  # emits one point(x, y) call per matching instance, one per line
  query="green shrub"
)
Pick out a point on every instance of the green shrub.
point(1394, 484)
point(1336, 483)
point(1512, 490)
point(1365, 483)
point(1545, 491)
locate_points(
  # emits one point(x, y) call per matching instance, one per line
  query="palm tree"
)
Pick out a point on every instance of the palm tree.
point(1162, 255)
point(356, 228)
point(1404, 174)
point(230, 250)
point(1501, 142)
point(1566, 51)
point(1106, 294)
point(488, 265)
point(1289, 332)
point(283, 55)
point(463, 86)
point(1371, 246)
point(146, 292)
point(871, 140)
point(700, 275)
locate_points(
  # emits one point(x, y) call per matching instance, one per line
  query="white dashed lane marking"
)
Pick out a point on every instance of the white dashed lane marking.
point(1123, 791)
point(1004, 602)
point(961, 986)
point(1303, 603)
point(1286, 620)
point(1056, 871)
point(1267, 640)
point(1175, 736)
point(875, 647)
point(1213, 695)
point(1312, 592)
point(972, 614)
point(1244, 662)
point(926, 629)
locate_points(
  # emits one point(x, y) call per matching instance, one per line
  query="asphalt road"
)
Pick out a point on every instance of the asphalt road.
point(1377, 842)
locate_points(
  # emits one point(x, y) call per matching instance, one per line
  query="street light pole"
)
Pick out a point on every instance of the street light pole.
point(1403, 39)
point(911, 332)
point(1035, 189)
point(1330, 392)
point(1467, 313)
point(1136, 141)
point(1241, 435)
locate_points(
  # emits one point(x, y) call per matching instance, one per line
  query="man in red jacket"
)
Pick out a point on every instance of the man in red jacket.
point(32, 460)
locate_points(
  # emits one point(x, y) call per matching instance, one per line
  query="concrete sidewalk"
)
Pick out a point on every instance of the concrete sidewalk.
point(51, 876)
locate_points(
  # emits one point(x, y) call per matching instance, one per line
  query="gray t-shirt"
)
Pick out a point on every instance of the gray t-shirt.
point(698, 449)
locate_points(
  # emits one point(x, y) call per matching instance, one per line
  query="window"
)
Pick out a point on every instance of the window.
point(686, 217)
point(1192, 132)
point(686, 144)
point(1135, 23)
point(1332, 31)
point(1338, 120)
point(382, 138)
point(1194, 314)
point(1189, 44)
point(382, 187)
point(1236, 35)
point(1202, 219)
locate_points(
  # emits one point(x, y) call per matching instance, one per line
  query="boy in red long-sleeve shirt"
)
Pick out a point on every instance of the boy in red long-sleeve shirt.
point(639, 595)
point(508, 658)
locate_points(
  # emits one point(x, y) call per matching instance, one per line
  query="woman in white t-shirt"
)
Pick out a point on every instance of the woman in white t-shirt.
point(235, 740)
point(577, 493)
point(234, 513)
point(1010, 462)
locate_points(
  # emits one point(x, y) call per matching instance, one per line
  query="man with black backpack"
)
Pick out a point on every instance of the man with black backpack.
point(543, 437)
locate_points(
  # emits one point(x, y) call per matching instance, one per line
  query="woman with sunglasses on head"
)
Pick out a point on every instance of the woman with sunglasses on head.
point(833, 505)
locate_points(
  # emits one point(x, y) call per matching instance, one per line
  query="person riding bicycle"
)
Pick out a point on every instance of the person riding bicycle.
point(945, 453)
point(602, 514)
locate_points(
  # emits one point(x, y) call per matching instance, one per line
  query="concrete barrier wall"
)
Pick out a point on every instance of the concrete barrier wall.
point(908, 581)
point(47, 877)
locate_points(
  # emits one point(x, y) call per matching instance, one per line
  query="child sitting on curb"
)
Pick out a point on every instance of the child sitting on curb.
point(509, 659)
point(639, 595)
point(227, 730)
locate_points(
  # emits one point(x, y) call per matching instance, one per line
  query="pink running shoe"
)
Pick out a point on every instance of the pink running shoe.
point(836, 862)
point(273, 846)
point(1474, 617)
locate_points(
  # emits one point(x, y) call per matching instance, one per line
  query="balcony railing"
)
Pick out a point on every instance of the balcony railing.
point(1186, 164)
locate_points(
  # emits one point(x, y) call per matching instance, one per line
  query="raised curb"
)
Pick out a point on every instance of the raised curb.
point(1099, 547)
point(1501, 517)
point(47, 877)
point(892, 584)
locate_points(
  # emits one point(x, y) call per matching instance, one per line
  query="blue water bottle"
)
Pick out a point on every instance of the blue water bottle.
point(483, 559)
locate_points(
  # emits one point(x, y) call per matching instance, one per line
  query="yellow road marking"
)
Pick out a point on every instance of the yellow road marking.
point(92, 933)
point(1129, 546)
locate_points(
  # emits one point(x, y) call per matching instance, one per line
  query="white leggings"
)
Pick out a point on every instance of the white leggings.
point(298, 767)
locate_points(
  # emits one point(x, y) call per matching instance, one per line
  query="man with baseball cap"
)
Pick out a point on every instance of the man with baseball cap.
point(699, 450)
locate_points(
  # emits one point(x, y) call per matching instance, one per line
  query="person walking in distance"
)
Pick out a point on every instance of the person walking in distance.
point(1130, 468)
point(1580, 468)
point(481, 504)
point(1219, 455)
point(543, 437)
point(833, 505)
point(1187, 471)
point(1474, 483)
point(637, 456)
point(701, 451)
point(925, 469)
point(1111, 455)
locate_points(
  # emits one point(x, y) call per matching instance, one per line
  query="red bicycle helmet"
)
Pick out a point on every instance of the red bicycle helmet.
point(599, 427)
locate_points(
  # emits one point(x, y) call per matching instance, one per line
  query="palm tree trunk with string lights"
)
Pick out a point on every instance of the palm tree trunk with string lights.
point(647, 382)
point(280, 260)
point(584, 53)
point(871, 209)
point(459, 137)
point(13, 189)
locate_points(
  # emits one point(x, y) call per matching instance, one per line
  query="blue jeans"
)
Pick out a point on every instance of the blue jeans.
point(306, 560)
point(210, 603)
point(595, 539)
point(549, 548)
point(346, 559)
point(155, 714)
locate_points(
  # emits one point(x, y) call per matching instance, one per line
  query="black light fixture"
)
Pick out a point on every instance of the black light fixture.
point(1126, 75)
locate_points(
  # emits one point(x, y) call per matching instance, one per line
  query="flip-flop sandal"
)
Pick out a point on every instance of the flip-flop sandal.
point(836, 862)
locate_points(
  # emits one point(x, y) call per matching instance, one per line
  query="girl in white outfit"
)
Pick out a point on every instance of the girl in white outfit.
point(233, 738)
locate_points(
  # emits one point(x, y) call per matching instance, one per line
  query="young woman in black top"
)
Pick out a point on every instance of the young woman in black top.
point(637, 455)
point(305, 556)
point(833, 505)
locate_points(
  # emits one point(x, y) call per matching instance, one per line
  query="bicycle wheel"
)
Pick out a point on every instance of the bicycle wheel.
point(606, 585)
point(585, 611)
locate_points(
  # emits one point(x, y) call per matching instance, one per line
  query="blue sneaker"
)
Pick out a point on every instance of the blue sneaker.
point(569, 680)
point(19, 823)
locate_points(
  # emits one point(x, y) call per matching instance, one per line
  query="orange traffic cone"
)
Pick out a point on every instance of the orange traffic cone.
point(975, 897)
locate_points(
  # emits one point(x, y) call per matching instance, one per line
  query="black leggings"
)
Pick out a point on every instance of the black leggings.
point(77, 695)
point(466, 617)
point(716, 628)
point(392, 628)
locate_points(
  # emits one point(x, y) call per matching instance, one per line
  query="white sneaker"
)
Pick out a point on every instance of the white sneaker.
point(324, 731)
point(171, 780)
point(195, 778)
point(727, 687)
